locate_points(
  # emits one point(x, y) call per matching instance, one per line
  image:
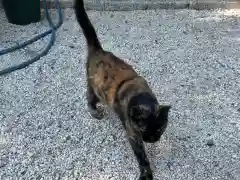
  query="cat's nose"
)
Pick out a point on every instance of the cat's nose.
point(152, 139)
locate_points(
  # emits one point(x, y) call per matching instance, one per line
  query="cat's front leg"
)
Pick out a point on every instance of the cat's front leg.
point(137, 147)
point(139, 151)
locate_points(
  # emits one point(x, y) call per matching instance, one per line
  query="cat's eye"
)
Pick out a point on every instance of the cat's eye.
point(143, 128)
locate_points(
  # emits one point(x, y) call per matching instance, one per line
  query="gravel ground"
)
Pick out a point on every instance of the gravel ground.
point(192, 61)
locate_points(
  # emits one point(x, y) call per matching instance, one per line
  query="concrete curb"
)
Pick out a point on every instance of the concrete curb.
point(215, 4)
point(128, 5)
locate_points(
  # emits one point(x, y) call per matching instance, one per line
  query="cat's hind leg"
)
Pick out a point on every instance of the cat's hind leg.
point(93, 100)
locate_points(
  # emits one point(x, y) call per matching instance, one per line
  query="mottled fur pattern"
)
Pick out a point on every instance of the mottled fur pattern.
point(114, 83)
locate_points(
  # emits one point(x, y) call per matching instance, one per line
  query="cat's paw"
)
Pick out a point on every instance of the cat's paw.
point(97, 113)
point(146, 175)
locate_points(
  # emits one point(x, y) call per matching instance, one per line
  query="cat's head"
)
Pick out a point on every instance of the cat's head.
point(147, 117)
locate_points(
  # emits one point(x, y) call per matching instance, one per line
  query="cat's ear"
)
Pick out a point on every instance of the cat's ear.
point(164, 111)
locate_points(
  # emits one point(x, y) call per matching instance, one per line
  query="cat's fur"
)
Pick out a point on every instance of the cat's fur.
point(115, 83)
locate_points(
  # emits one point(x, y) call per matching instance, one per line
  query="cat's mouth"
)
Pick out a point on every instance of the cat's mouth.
point(150, 138)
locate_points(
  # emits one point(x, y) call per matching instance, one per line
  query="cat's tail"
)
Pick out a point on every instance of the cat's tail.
point(87, 27)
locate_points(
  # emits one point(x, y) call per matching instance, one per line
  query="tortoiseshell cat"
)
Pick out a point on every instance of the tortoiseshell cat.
point(113, 82)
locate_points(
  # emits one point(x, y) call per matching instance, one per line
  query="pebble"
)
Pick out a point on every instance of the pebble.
point(71, 46)
point(210, 142)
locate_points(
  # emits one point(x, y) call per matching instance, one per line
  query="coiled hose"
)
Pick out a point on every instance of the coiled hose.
point(52, 30)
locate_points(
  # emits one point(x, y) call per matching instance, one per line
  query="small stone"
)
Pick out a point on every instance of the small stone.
point(181, 138)
point(68, 138)
point(65, 29)
point(23, 172)
point(39, 177)
point(169, 164)
point(101, 169)
point(233, 123)
point(71, 46)
point(49, 151)
point(3, 162)
point(210, 142)
point(215, 164)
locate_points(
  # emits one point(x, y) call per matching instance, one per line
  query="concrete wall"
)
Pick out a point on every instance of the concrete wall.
point(213, 4)
point(125, 4)
point(151, 4)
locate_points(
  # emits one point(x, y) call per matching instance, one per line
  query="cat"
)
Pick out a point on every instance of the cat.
point(113, 82)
